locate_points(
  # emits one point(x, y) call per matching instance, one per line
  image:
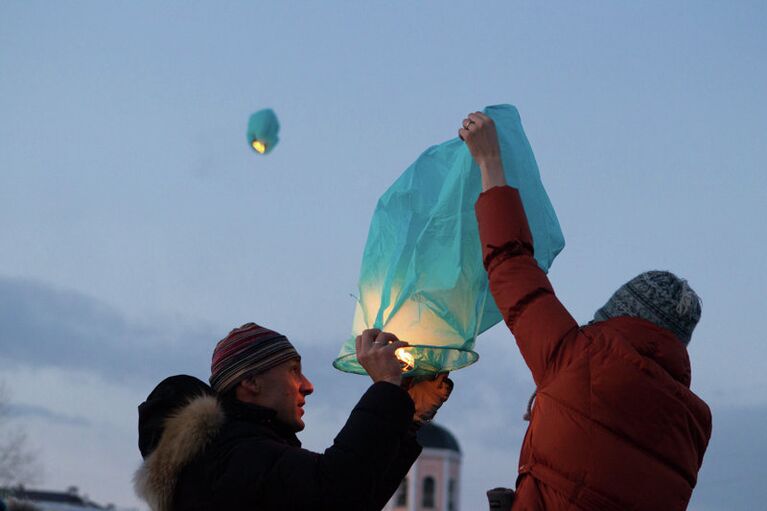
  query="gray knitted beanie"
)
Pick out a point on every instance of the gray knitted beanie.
point(659, 297)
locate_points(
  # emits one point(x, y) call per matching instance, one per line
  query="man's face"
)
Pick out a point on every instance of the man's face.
point(284, 388)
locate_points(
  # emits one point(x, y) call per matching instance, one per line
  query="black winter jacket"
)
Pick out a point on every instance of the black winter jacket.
point(226, 455)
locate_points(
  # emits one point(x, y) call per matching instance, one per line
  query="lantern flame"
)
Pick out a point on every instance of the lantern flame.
point(406, 359)
point(259, 146)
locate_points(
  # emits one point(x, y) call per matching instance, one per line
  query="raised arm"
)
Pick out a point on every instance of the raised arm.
point(540, 323)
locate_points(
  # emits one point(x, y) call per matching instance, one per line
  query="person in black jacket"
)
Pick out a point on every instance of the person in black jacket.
point(233, 445)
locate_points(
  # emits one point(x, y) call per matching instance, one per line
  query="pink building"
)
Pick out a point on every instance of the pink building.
point(434, 480)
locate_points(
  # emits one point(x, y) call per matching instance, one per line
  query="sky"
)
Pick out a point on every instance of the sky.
point(137, 227)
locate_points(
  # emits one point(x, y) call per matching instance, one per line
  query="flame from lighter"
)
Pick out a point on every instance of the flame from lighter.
point(407, 360)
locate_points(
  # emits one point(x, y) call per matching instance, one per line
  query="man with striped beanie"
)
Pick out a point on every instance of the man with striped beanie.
point(235, 447)
point(258, 365)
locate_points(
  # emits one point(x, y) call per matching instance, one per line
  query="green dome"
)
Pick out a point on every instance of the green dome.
point(436, 437)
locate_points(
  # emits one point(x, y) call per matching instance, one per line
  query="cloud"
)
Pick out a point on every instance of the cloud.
point(22, 410)
point(44, 326)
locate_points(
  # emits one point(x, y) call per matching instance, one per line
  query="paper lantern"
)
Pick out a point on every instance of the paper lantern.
point(263, 128)
point(422, 276)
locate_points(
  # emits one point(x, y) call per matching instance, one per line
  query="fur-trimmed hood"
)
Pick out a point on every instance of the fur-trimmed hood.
point(186, 434)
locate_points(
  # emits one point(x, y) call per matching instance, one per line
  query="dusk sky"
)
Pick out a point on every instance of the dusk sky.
point(137, 227)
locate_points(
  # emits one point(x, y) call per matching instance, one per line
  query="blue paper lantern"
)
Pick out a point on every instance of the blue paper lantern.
point(422, 276)
point(263, 128)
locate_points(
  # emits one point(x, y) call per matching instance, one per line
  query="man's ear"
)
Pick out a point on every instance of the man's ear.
point(252, 385)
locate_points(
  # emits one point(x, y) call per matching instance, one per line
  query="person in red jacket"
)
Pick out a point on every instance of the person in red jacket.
point(615, 425)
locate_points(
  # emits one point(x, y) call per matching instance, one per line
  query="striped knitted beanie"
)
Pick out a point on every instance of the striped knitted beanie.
point(250, 349)
point(659, 297)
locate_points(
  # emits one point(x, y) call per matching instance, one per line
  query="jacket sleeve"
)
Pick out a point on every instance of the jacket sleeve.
point(540, 323)
point(361, 470)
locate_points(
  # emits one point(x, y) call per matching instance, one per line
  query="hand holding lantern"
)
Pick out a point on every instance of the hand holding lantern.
point(376, 354)
point(479, 133)
point(428, 395)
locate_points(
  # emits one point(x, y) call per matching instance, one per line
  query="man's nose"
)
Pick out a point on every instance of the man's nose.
point(306, 387)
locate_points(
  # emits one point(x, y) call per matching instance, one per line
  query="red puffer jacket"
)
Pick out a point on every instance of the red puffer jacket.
point(615, 426)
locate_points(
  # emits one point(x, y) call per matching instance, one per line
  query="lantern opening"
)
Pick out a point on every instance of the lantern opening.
point(259, 146)
point(426, 360)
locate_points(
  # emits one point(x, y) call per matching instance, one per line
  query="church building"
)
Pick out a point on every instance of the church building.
point(434, 480)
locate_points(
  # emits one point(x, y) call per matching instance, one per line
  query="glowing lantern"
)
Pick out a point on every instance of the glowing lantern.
point(422, 276)
point(263, 128)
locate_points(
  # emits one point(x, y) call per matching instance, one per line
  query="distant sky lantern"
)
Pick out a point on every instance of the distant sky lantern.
point(263, 128)
point(422, 276)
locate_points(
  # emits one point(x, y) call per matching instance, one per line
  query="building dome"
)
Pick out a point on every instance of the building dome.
point(434, 481)
point(432, 436)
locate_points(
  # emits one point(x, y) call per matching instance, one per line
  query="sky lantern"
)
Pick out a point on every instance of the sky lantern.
point(422, 276)
point(263, 128)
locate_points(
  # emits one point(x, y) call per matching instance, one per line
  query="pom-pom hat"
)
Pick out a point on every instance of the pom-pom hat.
point(659, 297)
